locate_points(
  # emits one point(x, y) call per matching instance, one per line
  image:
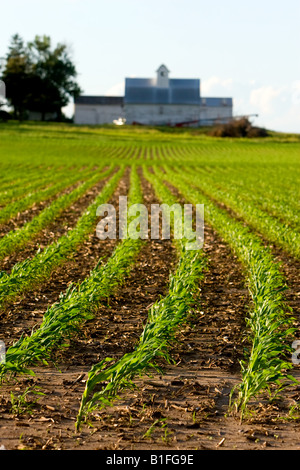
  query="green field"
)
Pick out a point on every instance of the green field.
point(53, 177)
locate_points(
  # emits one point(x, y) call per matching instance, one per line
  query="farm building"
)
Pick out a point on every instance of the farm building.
point(98, 109)
point(155, 101)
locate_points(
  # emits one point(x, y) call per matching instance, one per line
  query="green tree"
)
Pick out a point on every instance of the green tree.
point(16, 76)
point(39, 78)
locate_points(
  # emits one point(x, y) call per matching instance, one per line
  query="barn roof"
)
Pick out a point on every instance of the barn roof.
point(216, 102)
point(145, 91)
point(86, 99)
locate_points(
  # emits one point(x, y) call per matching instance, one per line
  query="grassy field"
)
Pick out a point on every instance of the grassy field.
point(143, 344)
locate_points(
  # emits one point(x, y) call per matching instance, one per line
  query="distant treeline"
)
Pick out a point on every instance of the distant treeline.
point(40, 80)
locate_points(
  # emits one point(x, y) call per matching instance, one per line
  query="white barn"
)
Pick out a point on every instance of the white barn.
point(92, 110)
point(155, 101)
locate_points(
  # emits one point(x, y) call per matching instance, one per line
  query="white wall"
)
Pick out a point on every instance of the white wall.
point(154, 114)
point(97, 114)
point(150, 114)
point(215, 112)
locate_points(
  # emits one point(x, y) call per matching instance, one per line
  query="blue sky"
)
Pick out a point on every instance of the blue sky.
point(247, 50)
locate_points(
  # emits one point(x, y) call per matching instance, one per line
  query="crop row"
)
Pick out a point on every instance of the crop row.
point(77, 305)
point(269, 226)
point(20, 205)
point(35, 270)
point(16, 239)
point(281, 203)
point(160, 330)
point(269, 321)
point(20, 187)
point(80, 300)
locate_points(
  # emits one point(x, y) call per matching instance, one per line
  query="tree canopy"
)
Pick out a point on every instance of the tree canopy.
point(38, 77)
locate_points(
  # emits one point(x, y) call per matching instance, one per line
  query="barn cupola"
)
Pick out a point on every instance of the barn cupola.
point(162, 77)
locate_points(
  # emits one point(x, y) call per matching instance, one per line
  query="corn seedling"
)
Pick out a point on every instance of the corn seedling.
point(270, 325)
point(74, 307)
point(164, 317)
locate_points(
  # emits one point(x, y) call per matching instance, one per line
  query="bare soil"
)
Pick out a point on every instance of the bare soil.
point(59, 227)
point(186, 408)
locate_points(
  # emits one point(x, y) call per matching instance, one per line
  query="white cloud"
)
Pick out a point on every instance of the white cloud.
point(278, 107)
point(266, 98)
point(215, 85)
point(116, 90)
point(296, 92)
point(287, 121)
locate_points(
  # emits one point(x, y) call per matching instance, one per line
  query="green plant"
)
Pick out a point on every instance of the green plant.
point(270, 326)
point(28, 273)
point(150, 430)
point(16, 239)
point(75, 306)
point(52, 190)
point(164, 317)
point(20, 404)
point(166, 437)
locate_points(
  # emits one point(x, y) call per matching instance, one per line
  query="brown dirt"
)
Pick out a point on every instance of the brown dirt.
point(27, 215)
point(32, 305)
point(185, 408)
point(59, 227)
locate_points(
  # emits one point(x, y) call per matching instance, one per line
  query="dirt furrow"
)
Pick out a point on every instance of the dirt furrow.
point(185, 408)
point(114, 331)
point(20, 316)
point(60, 226)
point(165, 412)
point(28, 214)
point(176, 410)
